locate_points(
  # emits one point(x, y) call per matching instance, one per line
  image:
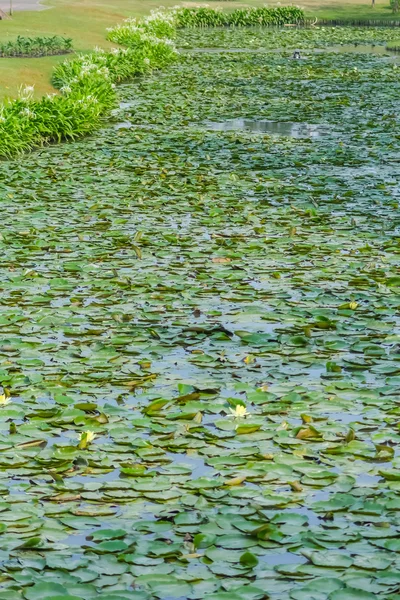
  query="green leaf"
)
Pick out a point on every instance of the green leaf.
point(351, 593)
point(248, 560)
point(45, 590)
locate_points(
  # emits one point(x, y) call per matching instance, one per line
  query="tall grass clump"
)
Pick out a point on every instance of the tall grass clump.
point(35, 47)
point(262, 16)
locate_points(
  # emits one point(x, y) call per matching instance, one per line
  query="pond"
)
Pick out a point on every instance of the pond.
point(220, 308)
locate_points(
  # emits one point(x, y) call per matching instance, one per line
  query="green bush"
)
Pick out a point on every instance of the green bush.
point(38, 46)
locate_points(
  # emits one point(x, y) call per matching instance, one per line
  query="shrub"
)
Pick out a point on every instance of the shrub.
point(34, 47)
point(200, 17)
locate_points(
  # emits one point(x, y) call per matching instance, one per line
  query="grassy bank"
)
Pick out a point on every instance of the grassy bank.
point(86, 21)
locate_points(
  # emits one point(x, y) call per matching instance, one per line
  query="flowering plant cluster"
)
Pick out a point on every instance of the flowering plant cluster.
point(86, 89)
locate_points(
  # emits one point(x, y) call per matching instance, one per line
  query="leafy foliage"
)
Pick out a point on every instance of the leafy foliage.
point(87, 83)
point(132, 32)
point(306, 38)
point(37, 46)
point(263, 16)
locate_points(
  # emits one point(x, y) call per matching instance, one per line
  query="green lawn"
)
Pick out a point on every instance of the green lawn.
point(86, 22)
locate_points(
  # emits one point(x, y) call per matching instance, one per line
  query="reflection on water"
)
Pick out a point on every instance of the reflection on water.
point(123, 125)
point(196, 463)
point(377, 50)
point(287, 129)
point(366, 480)
point(358, 49)
point(282, 559)
point(97, 479)
point(345, 417)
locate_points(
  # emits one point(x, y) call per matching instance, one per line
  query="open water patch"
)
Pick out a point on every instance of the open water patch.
point(374, 49)
point(278, 128)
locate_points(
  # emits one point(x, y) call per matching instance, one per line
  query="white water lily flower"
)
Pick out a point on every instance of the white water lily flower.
point(239, 412)
point(4, 400)
point(27, 113)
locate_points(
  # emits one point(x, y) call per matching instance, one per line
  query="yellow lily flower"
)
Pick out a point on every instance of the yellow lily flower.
point(86, 438)
point(4, 400)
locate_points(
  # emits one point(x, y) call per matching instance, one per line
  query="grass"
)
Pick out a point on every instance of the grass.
point(86, 21)
point(29, 71)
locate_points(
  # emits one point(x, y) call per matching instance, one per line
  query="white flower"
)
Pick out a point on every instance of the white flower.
point(27, 113)
point(66, 89)
point(26, 93)
point(239, 412)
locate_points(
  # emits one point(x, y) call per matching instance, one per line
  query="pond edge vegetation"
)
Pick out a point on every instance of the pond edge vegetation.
point(87, 83)
point(33, 47)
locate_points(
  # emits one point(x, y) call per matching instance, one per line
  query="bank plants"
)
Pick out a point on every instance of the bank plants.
point(86, 84)
point(33, 47)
